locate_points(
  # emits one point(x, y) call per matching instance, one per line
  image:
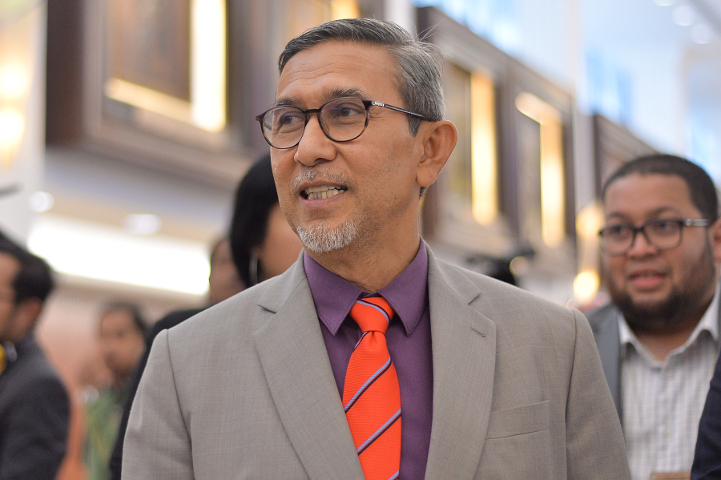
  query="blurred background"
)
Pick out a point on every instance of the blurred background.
point(125, 126)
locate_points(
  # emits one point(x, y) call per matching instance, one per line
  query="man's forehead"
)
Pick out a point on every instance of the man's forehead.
point(653, 194)
point(336, 69)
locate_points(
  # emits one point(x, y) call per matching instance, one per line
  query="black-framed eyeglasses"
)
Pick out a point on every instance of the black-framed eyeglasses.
point(341, 119)
point(661, 233)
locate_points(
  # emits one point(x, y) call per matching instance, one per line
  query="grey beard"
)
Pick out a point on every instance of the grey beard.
point(322, 240)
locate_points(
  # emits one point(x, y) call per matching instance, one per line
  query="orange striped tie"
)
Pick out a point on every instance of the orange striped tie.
point(371, 395)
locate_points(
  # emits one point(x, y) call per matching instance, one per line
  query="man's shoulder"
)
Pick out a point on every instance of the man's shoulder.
point(603, 316)
point(492, 291)
point(32, 376)
point(241, 313)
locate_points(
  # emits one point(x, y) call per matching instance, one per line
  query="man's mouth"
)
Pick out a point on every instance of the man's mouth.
point(646, 278)
point(645, 273)
point(322, 193)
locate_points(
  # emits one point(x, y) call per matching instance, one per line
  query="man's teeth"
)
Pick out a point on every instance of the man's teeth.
point(321, 193)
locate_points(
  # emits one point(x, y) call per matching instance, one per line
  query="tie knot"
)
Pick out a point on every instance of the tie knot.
point(372, 314)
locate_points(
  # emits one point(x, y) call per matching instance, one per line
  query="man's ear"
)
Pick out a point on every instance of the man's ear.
point(715, 238)
point(439, 140)
point(26, 314)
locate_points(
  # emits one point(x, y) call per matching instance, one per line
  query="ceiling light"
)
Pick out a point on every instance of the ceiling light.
point(683, 15)
point(88, 250)
point(41, 202)
point(701, 33)
point(142, 224)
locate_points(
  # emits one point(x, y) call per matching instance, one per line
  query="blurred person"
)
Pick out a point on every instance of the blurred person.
point(262, 245)
point(121, 334)
point(262, 242)
point(223, 281)
point(707, 459)
point(467, 377)
point(659, 336)
point(34, 404)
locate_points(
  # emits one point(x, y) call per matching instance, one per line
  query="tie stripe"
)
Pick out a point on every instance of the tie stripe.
point(379, 432)
point(368, 383)
point(377, 308)
point(371, 394)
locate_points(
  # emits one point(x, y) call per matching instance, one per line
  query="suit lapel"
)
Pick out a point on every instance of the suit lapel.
point(464, 351)
point(296, 366)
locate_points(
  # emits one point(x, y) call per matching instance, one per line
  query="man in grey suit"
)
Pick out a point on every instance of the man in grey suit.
point(659, 338)
point(494, 383)
point(34, 406)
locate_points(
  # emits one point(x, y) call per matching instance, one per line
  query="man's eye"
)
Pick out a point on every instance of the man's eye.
point(664, 226)
point(288, 120)
point(616, 231)
point(345, 110)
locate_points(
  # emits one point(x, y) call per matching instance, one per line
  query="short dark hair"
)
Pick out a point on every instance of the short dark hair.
point(255, 197)
point(419, 66)
point(700, 186)
point(132, 309)
point(34, 279)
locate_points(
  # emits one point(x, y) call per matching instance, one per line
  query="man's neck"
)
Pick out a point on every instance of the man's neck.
point(661, 344)
point(367, 268)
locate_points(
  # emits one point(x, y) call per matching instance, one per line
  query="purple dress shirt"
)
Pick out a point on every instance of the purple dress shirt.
point(409, 343)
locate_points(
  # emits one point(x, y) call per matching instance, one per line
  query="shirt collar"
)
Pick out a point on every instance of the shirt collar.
point(334, 296)
point(709, 322)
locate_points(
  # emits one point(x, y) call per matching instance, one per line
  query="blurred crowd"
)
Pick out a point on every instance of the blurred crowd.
point(47, 431)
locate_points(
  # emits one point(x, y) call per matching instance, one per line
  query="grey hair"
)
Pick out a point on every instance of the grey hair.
point(419, 63)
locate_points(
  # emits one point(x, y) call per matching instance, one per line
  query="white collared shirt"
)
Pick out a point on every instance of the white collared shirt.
point(663, 401)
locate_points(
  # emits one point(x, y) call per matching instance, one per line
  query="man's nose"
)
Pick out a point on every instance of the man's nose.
point(640, 245)
point(314, 146)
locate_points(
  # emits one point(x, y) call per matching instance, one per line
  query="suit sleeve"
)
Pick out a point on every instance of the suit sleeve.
point(595, 447)
point(36, 432)
point(157, 443)
point(707, 462)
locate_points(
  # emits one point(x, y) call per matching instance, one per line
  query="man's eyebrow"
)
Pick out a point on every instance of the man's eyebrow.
point(346, 92)
point(665, 209)
point(653, 213)
point(327, 96)
point(285, 102)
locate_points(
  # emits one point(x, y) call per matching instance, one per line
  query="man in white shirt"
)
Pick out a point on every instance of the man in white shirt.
point(659, 338)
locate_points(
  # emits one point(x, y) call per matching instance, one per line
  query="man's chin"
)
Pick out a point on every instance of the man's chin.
point(321, 239)
point(648, 315)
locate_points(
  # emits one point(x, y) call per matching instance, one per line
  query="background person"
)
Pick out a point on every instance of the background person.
point(224, 280)
point(510, 384)
point(707, 459)
point(262, 243)
point(34, 405)
point(121, 334)
point(659, 338)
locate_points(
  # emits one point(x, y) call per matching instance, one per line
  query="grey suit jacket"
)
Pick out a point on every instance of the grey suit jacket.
point(604, 323)
point(245, 390)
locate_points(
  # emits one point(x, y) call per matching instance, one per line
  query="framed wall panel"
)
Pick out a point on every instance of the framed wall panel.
point(538, 161)
point(464, 209)
point(522, 200)
point(144, 81)
point(614, 145)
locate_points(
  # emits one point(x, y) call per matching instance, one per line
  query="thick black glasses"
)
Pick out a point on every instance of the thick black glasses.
point(341, 119)
point(659, 233)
